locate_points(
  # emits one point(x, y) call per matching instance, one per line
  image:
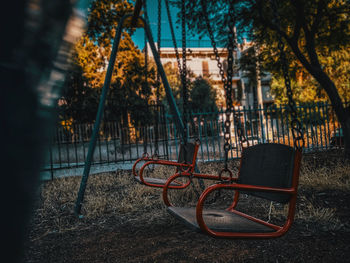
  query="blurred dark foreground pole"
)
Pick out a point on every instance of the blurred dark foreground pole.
point(36, 39)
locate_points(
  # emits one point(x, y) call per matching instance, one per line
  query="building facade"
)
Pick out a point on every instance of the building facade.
point(201, 61)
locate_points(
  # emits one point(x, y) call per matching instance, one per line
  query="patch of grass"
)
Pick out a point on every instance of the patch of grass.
point(335, 177)
point(322, 217)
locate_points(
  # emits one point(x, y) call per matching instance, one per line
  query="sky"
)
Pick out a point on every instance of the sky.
point(166, 40)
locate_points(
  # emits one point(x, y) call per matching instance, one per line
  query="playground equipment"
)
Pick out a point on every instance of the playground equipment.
point(188, 150)
point(136, 20)
point(269, 171)
point(186, 162)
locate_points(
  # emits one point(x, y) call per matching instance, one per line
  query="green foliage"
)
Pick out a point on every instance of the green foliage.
point(311, 34)
point(307, 89)
point(301, 93)
point(337, 66)
point(317, 34)
point(79, 102)
point(103, 19)
point(129, 93)
point(202, 96)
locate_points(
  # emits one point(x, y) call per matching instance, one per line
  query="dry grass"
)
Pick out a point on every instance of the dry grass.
point(335, 177)
point(117, 195)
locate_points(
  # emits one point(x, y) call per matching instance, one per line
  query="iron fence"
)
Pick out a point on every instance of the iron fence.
point(118, 144)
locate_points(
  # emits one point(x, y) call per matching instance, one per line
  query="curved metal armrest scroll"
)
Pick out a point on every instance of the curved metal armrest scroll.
point(145, 157)
point(169, 181)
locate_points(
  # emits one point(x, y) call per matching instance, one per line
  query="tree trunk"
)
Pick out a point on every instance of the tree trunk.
point(341, 111)
point(315, 69)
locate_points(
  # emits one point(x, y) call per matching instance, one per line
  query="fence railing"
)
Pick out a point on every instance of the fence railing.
point(120, 144)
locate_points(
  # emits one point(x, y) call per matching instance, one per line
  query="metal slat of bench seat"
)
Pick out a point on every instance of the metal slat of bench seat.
point(218, 220)
point(157, 181)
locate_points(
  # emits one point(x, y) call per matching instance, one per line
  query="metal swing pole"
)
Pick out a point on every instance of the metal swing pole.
point(107, 82)
point(169, 94)
point(99, 115)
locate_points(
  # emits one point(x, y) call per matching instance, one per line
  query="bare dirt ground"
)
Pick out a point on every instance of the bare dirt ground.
point(127, 222)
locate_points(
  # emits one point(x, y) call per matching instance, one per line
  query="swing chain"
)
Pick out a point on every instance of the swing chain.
point(159, 24)
point(184, 71)
point(297, 130)
point(213, 43)
point(158, 44)
point(156, 147)
point(145, 154)
point(226, 81)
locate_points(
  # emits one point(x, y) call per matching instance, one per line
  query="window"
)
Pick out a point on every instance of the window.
point(205, 69)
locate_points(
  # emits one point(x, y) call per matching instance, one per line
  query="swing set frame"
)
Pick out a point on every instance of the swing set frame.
point(132, 20)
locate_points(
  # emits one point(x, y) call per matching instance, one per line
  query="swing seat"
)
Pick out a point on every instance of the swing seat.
point(187, 163)
point(218, 220)
point(154, 181)
point(269, 171)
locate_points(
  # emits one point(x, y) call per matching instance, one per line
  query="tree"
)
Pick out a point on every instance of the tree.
point(129, 94)
point(202, 96)
point(307, 27)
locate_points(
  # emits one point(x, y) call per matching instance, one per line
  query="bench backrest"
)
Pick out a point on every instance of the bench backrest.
point(191, 150)
point(269, 165)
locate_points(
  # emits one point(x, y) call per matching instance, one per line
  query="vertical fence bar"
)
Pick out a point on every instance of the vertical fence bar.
point(316, 117)
point(261, 124)
point(250, 120)
point(51, 162)
point(312, 127)
point(99, 149)
point(114, 138)
point(244, 113)
point(307, 124)
point(287, 122)
point(66, 145)
point(200, 135)
point(74, 137)
point(235, 139)
point(206, 135)
point(324, 131)
point(272, 124)
point(218, 136)
point(130, 141)
point(107, 132)
point(278, 124)
point(169, 135)
point(59, 148)
point(282, 124)
point(266, 124)
point(212, 133)
point(329, 132)
point(137, 131)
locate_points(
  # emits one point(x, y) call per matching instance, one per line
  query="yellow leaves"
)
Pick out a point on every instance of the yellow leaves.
point(68, 125)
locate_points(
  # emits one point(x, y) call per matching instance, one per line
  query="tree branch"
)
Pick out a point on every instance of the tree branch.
point(318, 17)
point(295, 48)
point(296, 32)
point(300, 14)
point(309, 33)
point(268, 23)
